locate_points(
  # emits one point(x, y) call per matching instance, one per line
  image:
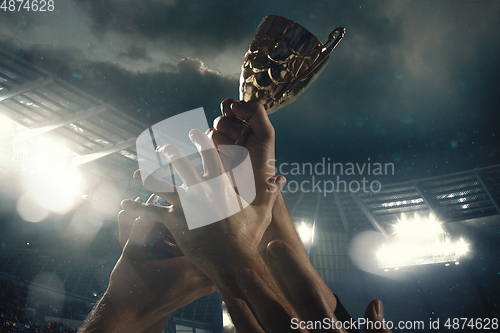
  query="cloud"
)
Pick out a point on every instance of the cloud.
point(136, 53)
point(157, 93)
point(188, 66)
point(138, 35)
point(183, 22)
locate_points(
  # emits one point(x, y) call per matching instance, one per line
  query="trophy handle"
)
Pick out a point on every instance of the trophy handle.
point(325, 52)
point(341, 33)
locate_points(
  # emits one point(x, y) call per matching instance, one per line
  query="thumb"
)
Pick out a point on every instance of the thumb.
point(269, 192)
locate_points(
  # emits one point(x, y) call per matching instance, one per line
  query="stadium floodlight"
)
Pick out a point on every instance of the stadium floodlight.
point(419, 241)
point(49, 178)
point(306, 233)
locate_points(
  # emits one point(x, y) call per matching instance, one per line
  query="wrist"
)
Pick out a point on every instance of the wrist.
point(223, 264)
point(224, 255)
point(219, 247)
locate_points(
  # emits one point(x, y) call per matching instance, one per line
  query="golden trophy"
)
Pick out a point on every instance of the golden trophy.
point(282, 60)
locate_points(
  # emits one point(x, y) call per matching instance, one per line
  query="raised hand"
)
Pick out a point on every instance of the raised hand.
point(142, 291)
point(218, 248)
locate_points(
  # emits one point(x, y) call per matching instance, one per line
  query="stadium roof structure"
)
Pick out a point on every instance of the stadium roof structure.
point(100, 134)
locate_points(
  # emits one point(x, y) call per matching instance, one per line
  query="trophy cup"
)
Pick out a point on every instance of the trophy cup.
point(282, 60)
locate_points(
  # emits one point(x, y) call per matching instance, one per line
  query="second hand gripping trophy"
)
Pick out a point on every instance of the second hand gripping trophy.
point(282, 60)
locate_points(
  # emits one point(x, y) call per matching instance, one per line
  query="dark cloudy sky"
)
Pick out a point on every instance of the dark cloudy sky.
point(414, 83)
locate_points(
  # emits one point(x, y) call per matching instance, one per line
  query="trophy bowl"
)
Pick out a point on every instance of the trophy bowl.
point(282, 60)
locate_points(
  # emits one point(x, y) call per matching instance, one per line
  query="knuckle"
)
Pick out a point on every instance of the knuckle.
point(217, 122)
point(124, 217)
point(121, 215)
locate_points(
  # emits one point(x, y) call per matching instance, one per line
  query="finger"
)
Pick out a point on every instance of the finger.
point(225, 107)
point(307, 294)
point(140, 231)
point(154, 184)
point(135, 247)
point(267, 307)
point(125, 221)
point(256, 116)
point(374, 316)
point(209, 155)
point(162, 238)
point(243, 319)
point(229, 126)
point(162, 229)
point(150, 212)
point(181, 163)
point(219, 138)
point(228, 157)
point(162, 235)
point(159, 186)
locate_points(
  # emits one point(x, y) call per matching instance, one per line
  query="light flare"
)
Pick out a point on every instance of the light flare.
point(419, 241)
point(50, 180)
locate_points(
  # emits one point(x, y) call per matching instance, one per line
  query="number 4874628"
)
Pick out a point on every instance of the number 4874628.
point(27, 5)
point(471, 323)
